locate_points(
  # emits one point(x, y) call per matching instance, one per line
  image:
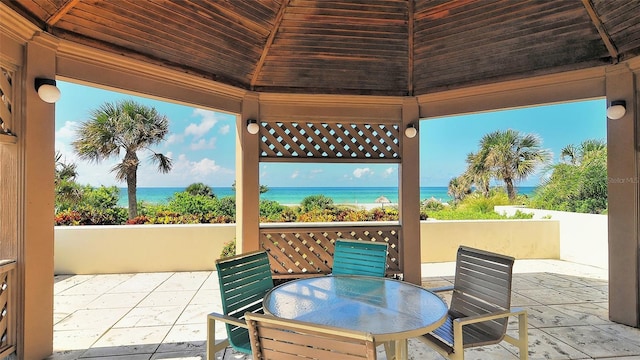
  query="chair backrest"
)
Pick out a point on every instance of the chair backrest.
point(276, 338)
point(482, 284)
point(244, 281)
point(359, 257)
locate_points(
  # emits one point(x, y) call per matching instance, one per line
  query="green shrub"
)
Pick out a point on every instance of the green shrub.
point(229, 249)
point(271, 210)
point(316, 202)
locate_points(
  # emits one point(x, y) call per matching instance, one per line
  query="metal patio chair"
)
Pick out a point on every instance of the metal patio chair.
point(277, 338)
point(480, 306)
point(358, 257)
point(244, 281)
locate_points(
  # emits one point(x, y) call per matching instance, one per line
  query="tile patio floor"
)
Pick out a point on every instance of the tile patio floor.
point(163, 315)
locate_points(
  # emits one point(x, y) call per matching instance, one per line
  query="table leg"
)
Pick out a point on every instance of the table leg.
point(397, 350)
point(402, 349)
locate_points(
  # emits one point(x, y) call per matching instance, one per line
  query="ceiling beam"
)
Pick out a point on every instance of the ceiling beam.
point(410, 9)
point(56, 16)
point(267, 46)
point(611, 47)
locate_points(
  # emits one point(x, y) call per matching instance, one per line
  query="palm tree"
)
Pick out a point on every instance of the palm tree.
point(123, 126)
point(512, 156)
point(66, 189)
point(577, 154)
point(477, 172)
point(459, 187)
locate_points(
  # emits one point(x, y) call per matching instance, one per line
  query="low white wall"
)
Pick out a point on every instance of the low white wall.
point(583, 237)
point(522, 239)
point(156, 248)
point(139, 248)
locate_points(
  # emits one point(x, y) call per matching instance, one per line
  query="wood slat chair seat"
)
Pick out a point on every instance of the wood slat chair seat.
point(480, 306)
point(280, 339)
point(358, 257)
point(244, 281)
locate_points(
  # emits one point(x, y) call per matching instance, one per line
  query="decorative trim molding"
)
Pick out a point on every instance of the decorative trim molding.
point(15, 25)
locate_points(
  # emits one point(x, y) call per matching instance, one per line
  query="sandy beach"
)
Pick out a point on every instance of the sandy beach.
point(361, 206)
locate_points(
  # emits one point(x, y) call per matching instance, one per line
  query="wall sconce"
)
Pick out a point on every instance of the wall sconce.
point(47, 90)
point(617, 109)
point(411, 131)
point(252, 126)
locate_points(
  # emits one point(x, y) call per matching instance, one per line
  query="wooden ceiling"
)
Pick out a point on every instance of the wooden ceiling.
point(369, 47)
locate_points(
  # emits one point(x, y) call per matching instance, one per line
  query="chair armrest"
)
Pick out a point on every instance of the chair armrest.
point(489, 316)
point(441, 289)
point(212, 346)
point(227, 319)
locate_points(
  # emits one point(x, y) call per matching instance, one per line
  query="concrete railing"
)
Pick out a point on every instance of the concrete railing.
point(155, 248)
point(139, 248)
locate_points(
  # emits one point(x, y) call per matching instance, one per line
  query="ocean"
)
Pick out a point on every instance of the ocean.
point(294, 195)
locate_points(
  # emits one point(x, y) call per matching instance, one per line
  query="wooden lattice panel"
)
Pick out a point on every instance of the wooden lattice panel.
point(6, 98)
point(7, 323)
point(337, 142)
point(300, 251)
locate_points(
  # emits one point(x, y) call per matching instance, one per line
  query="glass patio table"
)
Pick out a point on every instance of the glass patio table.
point(391, 310)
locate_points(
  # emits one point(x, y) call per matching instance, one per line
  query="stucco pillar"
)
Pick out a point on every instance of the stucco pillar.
point(36, 203)
point(247, 178)
point(624, 199)
point(409, 197)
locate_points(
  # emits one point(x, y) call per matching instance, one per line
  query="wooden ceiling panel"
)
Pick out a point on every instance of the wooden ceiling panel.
point(351, 46)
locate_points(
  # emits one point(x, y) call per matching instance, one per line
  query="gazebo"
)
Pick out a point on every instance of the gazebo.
point(324, 81)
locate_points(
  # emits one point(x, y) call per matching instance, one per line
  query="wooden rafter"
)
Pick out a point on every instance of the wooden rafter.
point(410, 49)
point(608, 42)
point(55, 17)
point(267, 47)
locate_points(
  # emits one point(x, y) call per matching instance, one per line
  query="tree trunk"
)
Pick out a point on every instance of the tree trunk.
point(131, 162)
point(511, 192)
point(131, 193)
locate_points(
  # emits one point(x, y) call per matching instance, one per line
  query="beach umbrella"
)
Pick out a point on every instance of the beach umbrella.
point(382, 200)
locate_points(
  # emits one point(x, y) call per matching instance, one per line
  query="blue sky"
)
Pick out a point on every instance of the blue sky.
point(201, 144)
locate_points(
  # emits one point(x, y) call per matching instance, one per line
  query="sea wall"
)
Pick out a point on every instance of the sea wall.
point(157, 248)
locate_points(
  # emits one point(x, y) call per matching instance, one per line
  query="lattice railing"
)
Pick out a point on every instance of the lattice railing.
point(301, 251)
point(6, 101)
point(7, 308)
point(323, 141)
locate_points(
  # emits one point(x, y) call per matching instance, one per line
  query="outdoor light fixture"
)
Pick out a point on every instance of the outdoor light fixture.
point(47, 90)
point(411, 131)
point(617, 109)
point(252, 126)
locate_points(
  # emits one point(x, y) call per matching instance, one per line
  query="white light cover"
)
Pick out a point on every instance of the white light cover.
point(253, 128)
point(49, 93)
point(410, 132)
point(615, 112)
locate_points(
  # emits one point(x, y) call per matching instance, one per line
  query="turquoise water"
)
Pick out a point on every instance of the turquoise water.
point(294, 195)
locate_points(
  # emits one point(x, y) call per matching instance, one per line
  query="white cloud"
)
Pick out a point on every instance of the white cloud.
point(295, 174)
point(224, 129)
point(174, 139)
point(388, 171)
point(203, 144)
point(68, 131)
point(204, 167)
point(362, 172)
point(208, 121)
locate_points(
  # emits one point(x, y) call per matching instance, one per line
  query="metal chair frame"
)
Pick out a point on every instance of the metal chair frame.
point(244, 281)
point(480, 306)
